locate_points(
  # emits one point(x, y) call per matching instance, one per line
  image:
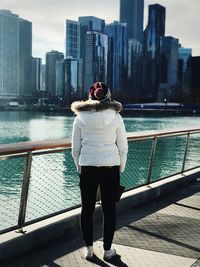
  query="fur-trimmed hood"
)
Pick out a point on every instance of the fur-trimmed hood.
point(93, 105)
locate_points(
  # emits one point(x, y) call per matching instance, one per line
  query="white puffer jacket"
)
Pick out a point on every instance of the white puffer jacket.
point(98, 136)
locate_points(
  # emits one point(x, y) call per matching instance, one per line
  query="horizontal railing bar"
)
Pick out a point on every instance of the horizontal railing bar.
point(151, 134)
point(23, 147)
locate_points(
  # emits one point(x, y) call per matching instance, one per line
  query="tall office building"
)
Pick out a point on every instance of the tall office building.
point(184, 70)
point(50, 72)
point(87, 23)
point(36, 75)
point(151, 51)
point(168, 68)
point(117, 62)
point(96, 58)
point(132, 13)
point(9, 54)
point(195, 77)
point(60, 78)
point(72, 38)
point(25, 57)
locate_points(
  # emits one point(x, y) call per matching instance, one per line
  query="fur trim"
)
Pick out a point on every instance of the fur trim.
point(93, 105)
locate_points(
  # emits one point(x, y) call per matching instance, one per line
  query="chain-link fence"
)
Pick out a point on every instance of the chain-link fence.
point(39, 184)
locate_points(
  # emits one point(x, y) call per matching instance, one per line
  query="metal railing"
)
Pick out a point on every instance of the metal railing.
point(39, 180)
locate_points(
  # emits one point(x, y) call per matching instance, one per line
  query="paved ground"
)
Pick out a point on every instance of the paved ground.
point(162, 233)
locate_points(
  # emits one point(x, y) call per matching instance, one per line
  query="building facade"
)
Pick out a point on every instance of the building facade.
point(132, 13)
point(25, 57)
point(50, 72)
point(9, 55)
point(72, 39)
point(151, 51)
point(168, 68)
point(96, 58)
point(184, 70)
point(118, 55)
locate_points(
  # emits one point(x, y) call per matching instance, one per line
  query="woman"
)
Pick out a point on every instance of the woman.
point(99, 149)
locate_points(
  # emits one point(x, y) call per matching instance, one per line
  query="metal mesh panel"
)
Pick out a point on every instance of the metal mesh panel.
point(168, 157)
point(53, 185)
point(11, 174)
point(136, 172)
point(193, 154)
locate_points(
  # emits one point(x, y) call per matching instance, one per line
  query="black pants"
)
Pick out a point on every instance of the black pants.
point(108, 180)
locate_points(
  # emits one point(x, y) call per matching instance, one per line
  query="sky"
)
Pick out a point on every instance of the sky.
point(48, 19)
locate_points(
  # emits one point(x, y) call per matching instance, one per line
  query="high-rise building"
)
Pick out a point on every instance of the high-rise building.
point(9, 54)
point(96, 58)
point(72, 38)
point(117, 62)
point(132, 13)
point(36, 75)
point(151, 51)
point(25, 57)
point(87, 23)
point(184, 70)
point(195, 78)
point(168, 68)
point(50, 72)
point(15, 55)
point(60, 78)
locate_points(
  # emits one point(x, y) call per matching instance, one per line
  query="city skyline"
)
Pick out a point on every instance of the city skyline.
point(49, 28)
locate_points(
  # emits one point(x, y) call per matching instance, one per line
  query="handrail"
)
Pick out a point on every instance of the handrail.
point(24, 147)
point(30, 151)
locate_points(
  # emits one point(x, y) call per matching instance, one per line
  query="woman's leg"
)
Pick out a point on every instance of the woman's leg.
point(88, 187)
point(109, 182)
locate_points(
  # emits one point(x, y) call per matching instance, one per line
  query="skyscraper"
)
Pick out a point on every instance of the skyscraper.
point(72, 38)
point(96, 58)
point(117, 62)
point(151, 68)
point(87, 23)
point(25, 57)
point(168, 68)
point(184, 73)
point(9, 54)
point(132, 13)
point(50, 72)
point(36, 75)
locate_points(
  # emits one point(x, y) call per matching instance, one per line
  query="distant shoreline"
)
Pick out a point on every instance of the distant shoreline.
point(126, 111)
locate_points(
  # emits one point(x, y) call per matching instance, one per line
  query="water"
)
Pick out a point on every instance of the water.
point(54, 181)
point(31, 126)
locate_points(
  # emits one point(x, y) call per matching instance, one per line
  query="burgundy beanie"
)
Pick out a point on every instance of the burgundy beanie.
point(99, 91)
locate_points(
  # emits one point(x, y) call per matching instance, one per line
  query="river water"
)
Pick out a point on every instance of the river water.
point(31, 126)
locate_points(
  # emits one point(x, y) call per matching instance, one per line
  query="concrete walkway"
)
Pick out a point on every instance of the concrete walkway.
point(161, 233)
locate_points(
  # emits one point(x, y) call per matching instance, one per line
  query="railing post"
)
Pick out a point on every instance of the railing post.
point(24, 193)
point(153, 151)
point(186, 150)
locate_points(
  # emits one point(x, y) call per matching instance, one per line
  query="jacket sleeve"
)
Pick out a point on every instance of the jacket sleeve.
point(76, 143)
point(122, 143)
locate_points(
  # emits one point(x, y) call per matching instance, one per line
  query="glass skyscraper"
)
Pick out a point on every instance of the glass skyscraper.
point(151, 51)
point(96, 58)
point(9, 54)
point(117, 63)
point(25, 57)
point(50, 72)
point(72, 38)
point(132, 13)
point(168, 68)
point(184, 73)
